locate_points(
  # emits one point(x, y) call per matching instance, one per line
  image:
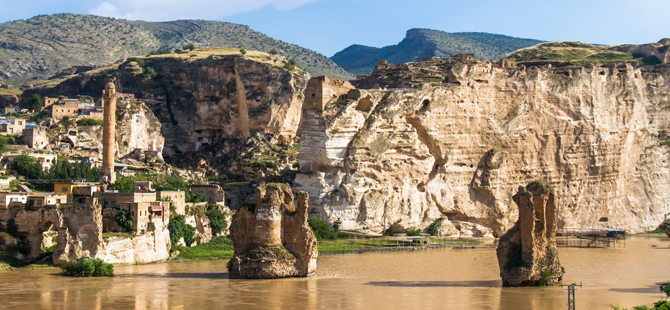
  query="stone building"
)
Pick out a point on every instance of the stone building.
point(322, 89)
point(12, 126)
point(178, 198)
point(47, 102)
point(35, 138)
point(64, 108)
point(46, 160)
point(214, 192)
point(9, 109)
point(45, 199)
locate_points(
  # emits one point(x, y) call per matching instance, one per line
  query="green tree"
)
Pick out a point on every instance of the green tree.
point(243, 51)
point(290, 65)
point(273, 52)
point(321, 229)
point(34, 102)
point(27, 166)
point(88, 267)
point(189, 47)
point(125, 220)
point(217, 221)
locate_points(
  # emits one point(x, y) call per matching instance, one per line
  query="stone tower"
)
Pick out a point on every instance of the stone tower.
point(108, 132)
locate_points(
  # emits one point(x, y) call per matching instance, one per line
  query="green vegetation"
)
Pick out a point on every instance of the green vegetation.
point(179, 229)
point(125, 220)
point(89, 122)
point(31, 169)
point(546, 278)
point(4, 141)
point(27, 166)
point(88, 267)
point(434, 228)
point(243, 51)
point(62, 41)
point(220, 248)
point(321, 229)
point(359, 59)
point(217, 221)
point(290, 65)
point(273, 52)
point(239, 184)
point(34, 102)
point(413, 232)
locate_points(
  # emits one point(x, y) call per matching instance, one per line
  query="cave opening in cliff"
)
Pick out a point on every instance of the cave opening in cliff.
point(424, 106)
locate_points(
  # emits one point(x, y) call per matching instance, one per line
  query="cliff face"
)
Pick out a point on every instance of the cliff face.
point(140, 249)
point(405, 158)
point(212, 100)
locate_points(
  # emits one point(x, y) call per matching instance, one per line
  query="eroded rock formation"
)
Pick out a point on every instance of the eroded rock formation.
point(458, 148)
point(527, 253)
point(79, 230)
point(271, 237)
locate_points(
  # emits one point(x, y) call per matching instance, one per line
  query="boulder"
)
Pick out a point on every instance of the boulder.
point(527, 253)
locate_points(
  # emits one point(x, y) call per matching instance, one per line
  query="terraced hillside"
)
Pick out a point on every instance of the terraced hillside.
point(418, 43)
point(41, 46)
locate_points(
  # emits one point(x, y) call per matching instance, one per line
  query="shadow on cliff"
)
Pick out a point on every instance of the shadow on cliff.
point(495, 283)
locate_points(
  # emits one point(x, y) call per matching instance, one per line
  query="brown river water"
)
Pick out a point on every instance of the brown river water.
point(426, 279)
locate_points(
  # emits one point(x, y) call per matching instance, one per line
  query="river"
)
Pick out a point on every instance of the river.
point(427, 279)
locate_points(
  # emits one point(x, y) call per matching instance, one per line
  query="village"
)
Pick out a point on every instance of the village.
point(77, 216)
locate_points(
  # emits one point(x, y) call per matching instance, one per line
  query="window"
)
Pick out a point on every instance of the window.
point(38, 202)
point(64, 189)
point(2, 200)
point(57, 200)
point(14, 200)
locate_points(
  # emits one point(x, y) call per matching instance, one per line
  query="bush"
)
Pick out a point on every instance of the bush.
point(177, 51)
point(139, 61)
point(125, 220)
point(434, 228)
point(217, 221)
point(290, 65)
point(89, 122)
point(273, 52)
point(11, 228)
point(321, 229)
point(189, 47)
point(189, 235)
point(243, 51)
point(151, 226)
point(546, 278)
point(197, 197)
point(413, 232)
point(27, 166)
point(88, 267)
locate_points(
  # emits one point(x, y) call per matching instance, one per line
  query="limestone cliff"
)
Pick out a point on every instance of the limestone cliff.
point(207, 99)
point(140, 249)
point(458, 149)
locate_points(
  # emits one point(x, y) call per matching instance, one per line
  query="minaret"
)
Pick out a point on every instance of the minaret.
point(108, 132)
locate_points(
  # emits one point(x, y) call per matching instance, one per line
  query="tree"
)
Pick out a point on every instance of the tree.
point(27, 166)
point(34, 102)
point(217, 221)
point(189, 47)
point(125, 220)
point(273, 52)
point(177, 50)
point(290, 65)
point(243, 51)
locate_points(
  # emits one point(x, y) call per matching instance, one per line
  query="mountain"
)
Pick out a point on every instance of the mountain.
point(41, 46)
point(418, 43)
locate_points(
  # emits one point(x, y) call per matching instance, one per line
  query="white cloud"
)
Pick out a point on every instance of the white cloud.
point(162, 10)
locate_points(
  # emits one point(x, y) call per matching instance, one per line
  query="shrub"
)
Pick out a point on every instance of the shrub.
point(125, 220)
point(290, 65)
point(189, 235)
point(434, 228)
point(150, 72)
point(88, 267)
point(11, 228)
point(546, 278)
point(217, 221)
point(139, 61)
point(27, 166)
point(413, 232)
point(336, 227)
point(89, 122)
point(273, 52)
point(197, 197)
point(321, 229)
point(151, 226)
point(243, 51)
point(189, 47)
point(177, 51)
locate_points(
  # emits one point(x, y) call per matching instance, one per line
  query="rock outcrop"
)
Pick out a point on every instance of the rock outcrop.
point(271, 237)
point(79, 230)
point(143, 248)
point(527, 253)
point(459, 148)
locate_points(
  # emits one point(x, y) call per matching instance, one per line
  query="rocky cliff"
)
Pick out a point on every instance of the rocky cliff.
point(206, 101)
point(458, 148)
point(140, 249)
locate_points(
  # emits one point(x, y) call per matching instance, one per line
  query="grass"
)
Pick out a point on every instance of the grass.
point(219, 248)
point(11, 91)
point(110, 234)
point(370, 243)
point(239, 184)
point(575, 53)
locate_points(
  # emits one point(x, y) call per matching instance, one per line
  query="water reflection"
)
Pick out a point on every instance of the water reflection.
point(435, 279)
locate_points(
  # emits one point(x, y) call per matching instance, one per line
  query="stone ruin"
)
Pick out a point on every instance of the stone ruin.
point(271, 237)
point(527, 253)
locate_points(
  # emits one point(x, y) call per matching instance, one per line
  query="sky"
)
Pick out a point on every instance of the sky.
point(328, 26)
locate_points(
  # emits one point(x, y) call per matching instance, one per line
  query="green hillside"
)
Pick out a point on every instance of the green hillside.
point(39, 47)
point(418, 43)
point(577, 54)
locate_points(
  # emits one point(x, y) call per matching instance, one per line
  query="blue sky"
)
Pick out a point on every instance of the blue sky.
point(328, 26)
